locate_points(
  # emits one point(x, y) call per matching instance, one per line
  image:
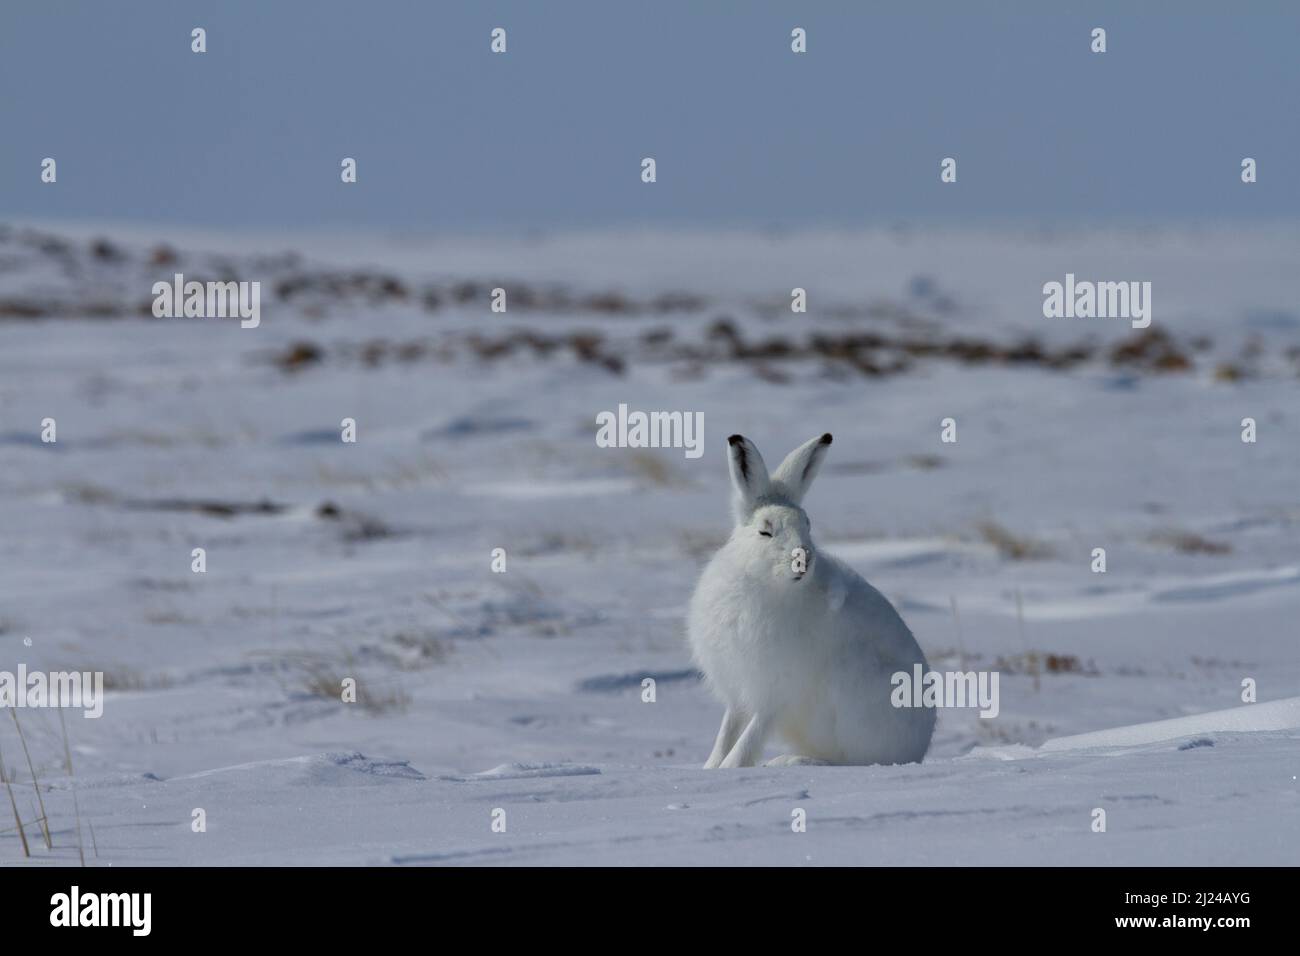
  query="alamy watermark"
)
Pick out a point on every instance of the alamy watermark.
point(130, 910)
point(1083, 299)
point(73, 689)
point(634, 429)
point(923, 688)
point(209, 300)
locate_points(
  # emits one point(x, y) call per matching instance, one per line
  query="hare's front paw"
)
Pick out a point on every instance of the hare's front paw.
point(795, 760)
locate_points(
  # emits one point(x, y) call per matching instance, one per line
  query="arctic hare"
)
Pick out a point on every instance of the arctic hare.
point(803, 649)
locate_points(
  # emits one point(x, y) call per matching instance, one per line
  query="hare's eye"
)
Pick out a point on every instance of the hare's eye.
point(766, 534)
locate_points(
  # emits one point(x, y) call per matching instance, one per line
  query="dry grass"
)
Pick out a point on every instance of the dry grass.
point(36, 783)
point(126, 678)
point(1034, 663)
point(558, 542)
point(323, 677)
point(18, 820)
point(924, 462)
point(1188, 542)
point(1229, 372)
point(653, 468)
point(164, 617)
point(394, 473)
point(76, 804)
point(1012, 546)
point(419, 649)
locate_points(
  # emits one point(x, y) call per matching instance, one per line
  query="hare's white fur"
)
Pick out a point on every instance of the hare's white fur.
point(806, 657)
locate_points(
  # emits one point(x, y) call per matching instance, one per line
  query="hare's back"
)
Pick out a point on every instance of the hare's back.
point(867, 618)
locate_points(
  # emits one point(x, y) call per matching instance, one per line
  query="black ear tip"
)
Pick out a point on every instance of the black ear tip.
point(826, 439)
point(735, 439)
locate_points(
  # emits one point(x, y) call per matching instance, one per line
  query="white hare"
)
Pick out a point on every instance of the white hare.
point(803, 650)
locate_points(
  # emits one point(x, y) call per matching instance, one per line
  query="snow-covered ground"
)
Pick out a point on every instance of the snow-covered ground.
point(522, 690)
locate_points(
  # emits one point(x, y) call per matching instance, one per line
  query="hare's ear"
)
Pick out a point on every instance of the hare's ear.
point(748, 475)
point(800, 467)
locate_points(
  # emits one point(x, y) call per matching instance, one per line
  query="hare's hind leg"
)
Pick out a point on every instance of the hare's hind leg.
point(750, 745)
point(733, 721)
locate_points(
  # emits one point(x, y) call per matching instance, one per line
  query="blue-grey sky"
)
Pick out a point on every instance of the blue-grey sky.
point(550, 135)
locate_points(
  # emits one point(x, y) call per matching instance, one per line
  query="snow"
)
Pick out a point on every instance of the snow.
point(522, 691)
point(1274, 715)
